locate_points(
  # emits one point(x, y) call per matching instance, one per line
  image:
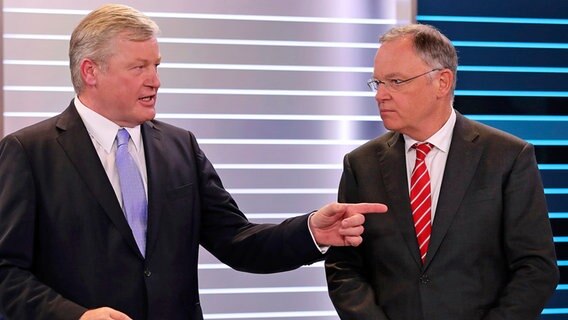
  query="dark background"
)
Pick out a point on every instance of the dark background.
point(514, 75)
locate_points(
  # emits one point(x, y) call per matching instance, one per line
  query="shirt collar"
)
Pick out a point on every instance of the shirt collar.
point(102, 129)
point(441, 139)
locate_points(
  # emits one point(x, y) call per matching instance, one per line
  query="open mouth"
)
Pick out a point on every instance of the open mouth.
point(148, 98)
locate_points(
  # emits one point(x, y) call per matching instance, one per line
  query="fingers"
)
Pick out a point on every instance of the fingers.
point(119, 316)
point(352, 225)
point(352, 229)
point(341, 224)
point(355, 213)
point(353, 241)
point(336, 209)
point(353, 221)
point(104, 313)
point(365, 208)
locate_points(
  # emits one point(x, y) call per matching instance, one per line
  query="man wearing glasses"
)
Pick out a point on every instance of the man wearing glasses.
point(467, 234)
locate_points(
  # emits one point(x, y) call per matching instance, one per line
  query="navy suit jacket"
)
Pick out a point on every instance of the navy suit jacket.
point(491, 254)
point(65, 245)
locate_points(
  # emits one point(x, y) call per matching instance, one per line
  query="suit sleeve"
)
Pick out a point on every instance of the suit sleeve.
point(348, 281)
point(257, 248)
point(528, 243)
point(22, 294)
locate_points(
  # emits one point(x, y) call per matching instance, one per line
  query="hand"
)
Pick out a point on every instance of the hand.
point(104, 314)
point(341, 224)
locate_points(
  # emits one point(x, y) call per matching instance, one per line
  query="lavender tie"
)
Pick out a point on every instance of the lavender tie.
point(132, 189)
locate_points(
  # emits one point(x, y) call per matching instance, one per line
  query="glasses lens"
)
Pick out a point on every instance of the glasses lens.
point(372, 83)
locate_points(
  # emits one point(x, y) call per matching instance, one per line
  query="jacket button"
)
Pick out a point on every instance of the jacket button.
point(147, 273)
point(424, 279)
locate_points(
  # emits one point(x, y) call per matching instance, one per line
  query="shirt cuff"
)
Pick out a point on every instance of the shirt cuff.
point(322, 249)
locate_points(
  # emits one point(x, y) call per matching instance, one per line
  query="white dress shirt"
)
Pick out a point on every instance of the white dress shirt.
point(436, 158)
point(103, 135)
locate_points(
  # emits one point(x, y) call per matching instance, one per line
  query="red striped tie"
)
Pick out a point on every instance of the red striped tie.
point(420, 199)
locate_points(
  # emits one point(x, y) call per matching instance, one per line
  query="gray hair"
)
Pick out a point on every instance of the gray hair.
point(434, 48)
point(92, 38)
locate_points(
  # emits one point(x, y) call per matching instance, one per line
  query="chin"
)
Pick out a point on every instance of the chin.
point(149, 115)
point(388, 125)
point(148, 119)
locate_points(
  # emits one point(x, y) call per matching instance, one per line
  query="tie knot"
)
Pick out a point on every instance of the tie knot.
point(122, 137)
point(422, 150)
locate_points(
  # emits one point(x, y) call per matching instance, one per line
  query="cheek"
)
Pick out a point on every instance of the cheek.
point(417, 104)
point(405, 107)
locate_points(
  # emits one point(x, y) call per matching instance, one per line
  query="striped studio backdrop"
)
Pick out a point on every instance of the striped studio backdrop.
point(274, 90)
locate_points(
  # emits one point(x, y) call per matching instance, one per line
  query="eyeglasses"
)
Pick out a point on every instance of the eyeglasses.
point(394, 84)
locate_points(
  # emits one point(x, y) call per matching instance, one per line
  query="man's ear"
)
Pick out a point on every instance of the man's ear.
point(445, 82)
point(89, 72)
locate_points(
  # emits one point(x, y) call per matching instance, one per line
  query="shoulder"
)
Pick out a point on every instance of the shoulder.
point(45, 130)
point(377, 145)
point(170, 137)
point(497, 147)
point(51, 128)
point(167, 130)
point(485, 134)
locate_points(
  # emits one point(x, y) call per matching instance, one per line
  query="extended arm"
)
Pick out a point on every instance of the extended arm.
point(264, 248)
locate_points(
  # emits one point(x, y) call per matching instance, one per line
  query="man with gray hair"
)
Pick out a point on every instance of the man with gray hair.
point(467, 234)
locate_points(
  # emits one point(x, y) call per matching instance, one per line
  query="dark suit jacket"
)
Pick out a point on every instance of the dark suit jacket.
point(66, 246)
point(491, 254)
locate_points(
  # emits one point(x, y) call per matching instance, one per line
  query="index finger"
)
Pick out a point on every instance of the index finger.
point(365, 208)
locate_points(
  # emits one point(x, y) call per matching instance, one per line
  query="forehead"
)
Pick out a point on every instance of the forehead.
point(396, 56)
point(135, 49)
point(128, 41)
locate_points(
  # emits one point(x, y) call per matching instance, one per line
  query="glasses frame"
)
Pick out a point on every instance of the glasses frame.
point(391, 84)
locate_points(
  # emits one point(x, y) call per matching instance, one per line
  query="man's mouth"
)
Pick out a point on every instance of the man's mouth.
point(148, 98)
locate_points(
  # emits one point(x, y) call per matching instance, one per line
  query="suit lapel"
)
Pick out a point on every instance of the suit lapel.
point(155, 164)
point(395, 178)
point(75, 141)
point(462, 162)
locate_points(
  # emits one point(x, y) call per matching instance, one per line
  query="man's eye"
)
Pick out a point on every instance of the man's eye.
point(395, 82)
